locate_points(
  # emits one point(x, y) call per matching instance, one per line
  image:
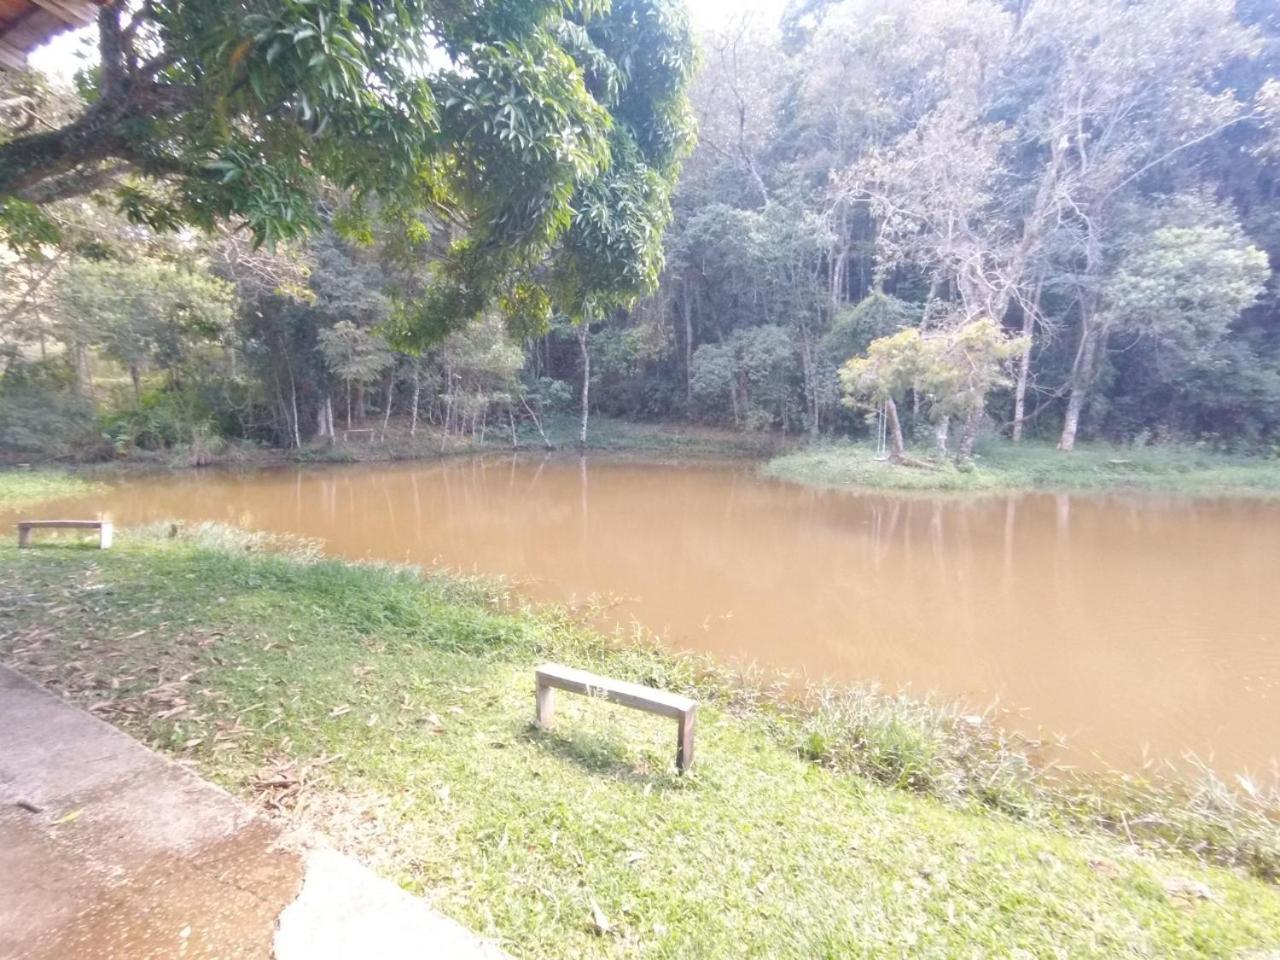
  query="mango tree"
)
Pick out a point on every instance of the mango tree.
point(502, 127)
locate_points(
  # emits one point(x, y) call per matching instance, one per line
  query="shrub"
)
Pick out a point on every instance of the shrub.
point(44, 421)
point(159, 419)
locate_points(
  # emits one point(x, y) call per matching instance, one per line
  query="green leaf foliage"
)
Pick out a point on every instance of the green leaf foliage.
point(512, 124)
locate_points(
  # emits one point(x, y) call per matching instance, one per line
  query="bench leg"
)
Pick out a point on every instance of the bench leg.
point(545, 705)
point(684, 739)
point(105, 533)
point(24, 537)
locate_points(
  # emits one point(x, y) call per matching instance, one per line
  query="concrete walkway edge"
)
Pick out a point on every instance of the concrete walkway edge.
point(110, 850)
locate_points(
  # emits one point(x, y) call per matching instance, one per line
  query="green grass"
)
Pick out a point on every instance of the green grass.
point(1001, 466)
point(22, 488)
point(394, 713)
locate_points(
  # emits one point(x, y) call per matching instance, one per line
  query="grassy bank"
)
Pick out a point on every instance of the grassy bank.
point(1037, 466)
point(393, 712)
point(23, 488)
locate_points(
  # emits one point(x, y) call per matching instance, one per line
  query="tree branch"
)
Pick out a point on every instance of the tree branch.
point(111, 52)
point(74, 183)
point(62, 163)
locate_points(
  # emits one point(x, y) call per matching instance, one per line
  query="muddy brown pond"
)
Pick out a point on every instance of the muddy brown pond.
point(1136, 626)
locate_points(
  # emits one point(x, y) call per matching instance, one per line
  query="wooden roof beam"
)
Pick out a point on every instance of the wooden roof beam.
point(76, 13)
point(11, 57)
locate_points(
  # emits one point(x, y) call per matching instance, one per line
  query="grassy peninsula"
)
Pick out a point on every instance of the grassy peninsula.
point(1002, 466)
point(393, 710)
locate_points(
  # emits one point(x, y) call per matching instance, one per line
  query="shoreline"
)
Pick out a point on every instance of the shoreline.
point(1061, 747)
point(391, 709)
point(1000, 468)
point(925, 743)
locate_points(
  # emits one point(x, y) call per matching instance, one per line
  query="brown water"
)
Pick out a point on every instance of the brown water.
point(1127, 623)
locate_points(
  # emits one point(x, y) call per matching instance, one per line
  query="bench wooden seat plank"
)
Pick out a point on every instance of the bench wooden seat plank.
point(104, 528)
point(555, 676)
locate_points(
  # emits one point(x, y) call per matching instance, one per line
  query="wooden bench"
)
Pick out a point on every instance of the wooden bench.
point(103, 527)
point(346, 434)
point(553, 676)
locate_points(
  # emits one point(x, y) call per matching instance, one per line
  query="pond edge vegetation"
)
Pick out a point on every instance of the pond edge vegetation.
point(1002, 467)
point(998, 466)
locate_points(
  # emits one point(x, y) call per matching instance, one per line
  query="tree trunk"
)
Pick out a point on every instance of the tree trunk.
point(83, 376)
point(282, 408)
point(360, 408)
point(136, 377)
point(325, 419)
point(1020, 388)
point(293, 406)
point(1081, 378)
point(808, 367)
point(1091, 340)
point(688, 343)
point(836, 282)
point(448, 417)
point(386, 414)
point(1024, 364)
point(1071, 422)
point(586, 381)
point(417, 392)
point(60, 163)
point(537, 421)
point(969, 436)
point(897, 448)
point(941, 433)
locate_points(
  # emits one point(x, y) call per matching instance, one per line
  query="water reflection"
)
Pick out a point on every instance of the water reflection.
point(1126, 622)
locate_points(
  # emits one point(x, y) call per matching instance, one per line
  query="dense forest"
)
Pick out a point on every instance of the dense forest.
point(939, 220)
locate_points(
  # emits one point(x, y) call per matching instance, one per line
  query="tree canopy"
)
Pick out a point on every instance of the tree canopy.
point(1044, 218)
point(1092, 176)
point(493, 130)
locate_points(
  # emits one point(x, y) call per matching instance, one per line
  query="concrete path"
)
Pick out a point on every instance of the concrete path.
point(108, 850)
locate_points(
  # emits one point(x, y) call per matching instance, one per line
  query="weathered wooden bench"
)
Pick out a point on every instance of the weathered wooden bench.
point(104, 528)
point(555, 676)
point(346, 434)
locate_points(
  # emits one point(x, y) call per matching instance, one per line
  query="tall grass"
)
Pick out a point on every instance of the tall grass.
point(936, 748)
point(925, 745)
